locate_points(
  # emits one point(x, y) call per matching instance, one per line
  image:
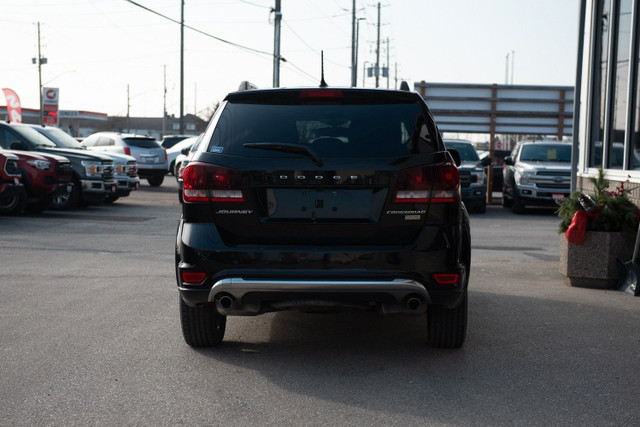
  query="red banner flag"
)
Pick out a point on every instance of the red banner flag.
point(13, 106)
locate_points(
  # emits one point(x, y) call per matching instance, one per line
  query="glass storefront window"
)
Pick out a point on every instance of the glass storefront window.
point(600, 84)
point(621, 75)
point(635, 136)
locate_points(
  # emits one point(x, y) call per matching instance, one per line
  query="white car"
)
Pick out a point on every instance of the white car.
point(151, 157)
point(176, 150)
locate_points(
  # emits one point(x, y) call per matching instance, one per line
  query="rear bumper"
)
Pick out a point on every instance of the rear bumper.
point(255, 280)
point(150, 172)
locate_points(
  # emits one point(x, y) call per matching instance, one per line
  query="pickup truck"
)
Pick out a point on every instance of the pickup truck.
point(44, 176)
point(93, 173)
point(125, 167)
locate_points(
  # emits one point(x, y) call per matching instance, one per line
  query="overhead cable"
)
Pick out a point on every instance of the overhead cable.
point(199, 31)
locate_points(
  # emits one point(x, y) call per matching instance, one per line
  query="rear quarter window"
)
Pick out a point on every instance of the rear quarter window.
point(377, 130)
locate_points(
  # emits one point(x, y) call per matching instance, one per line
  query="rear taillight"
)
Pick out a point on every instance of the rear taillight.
point(204, 182)
point(446, 278)
point(127, 151)
point(166, 156)
point(438, 183)
point(193, 276)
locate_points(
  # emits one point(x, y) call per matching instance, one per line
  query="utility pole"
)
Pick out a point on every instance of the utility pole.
point(388, 70)
point(276, 44)
point(396, 77)
point(128, 107)
point(513, 60)
point(378, 51)
point(164, 104)
point(506, 71)
point(364, 71)
point(357, 50)
point(354, 63)
point(181, 67)
point(40, 60)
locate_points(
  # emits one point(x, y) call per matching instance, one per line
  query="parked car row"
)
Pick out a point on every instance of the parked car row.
point(56, 172)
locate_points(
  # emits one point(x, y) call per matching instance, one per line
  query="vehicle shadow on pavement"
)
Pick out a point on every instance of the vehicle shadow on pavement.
point(526, 361)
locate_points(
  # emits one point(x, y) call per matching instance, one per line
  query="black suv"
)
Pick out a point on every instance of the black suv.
point(322, 200)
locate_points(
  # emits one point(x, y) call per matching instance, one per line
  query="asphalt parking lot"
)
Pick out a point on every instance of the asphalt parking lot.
point(90, 335)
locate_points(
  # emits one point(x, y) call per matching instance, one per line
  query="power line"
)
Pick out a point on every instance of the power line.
point(315, 79)
point(311, 47)
point(222, 40)
point(255, 4)
point(200, 31)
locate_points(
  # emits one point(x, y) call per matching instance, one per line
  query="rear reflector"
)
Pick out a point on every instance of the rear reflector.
point(446, 279)
point(438, 183)
point(203, 182)
point(193, 276)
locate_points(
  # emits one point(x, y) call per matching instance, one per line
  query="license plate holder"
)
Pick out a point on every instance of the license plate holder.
point(319, 204)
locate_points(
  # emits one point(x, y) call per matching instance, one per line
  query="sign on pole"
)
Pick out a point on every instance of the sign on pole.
point(50, 106)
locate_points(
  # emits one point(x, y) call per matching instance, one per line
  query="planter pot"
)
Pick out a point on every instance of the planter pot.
point(593, 264)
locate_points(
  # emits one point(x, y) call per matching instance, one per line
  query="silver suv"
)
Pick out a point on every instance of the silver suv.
point(151, 157)
point(536, 174)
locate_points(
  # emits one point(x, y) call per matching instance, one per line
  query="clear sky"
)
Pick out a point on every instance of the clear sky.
point(96, 48)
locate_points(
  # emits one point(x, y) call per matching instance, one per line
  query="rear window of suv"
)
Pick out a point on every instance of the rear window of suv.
point(141, 142)
point(333, 130)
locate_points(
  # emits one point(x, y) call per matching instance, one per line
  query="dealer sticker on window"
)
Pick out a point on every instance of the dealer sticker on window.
point(216, 149)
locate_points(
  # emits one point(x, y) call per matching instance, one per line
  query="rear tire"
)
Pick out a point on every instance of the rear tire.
point(156, 181)
point(447, 326)
point(202, 326)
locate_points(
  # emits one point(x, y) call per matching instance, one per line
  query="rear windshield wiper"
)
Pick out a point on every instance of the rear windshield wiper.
point(287, 148)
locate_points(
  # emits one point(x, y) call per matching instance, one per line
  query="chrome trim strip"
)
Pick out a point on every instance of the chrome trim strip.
point(238, 287)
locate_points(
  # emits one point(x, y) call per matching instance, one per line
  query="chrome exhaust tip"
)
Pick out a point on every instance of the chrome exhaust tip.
point(226, 302)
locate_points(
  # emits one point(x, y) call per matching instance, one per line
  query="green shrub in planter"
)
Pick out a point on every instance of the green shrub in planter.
point(611, 226)
point(614, 210)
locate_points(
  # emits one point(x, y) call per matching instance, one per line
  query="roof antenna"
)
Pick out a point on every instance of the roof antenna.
point(322, 82)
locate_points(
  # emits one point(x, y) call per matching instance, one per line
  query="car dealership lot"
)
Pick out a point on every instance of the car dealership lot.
point(90, 334)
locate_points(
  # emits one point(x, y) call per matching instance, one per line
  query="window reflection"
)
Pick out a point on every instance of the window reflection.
point(600, 86)
point(619, 115)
